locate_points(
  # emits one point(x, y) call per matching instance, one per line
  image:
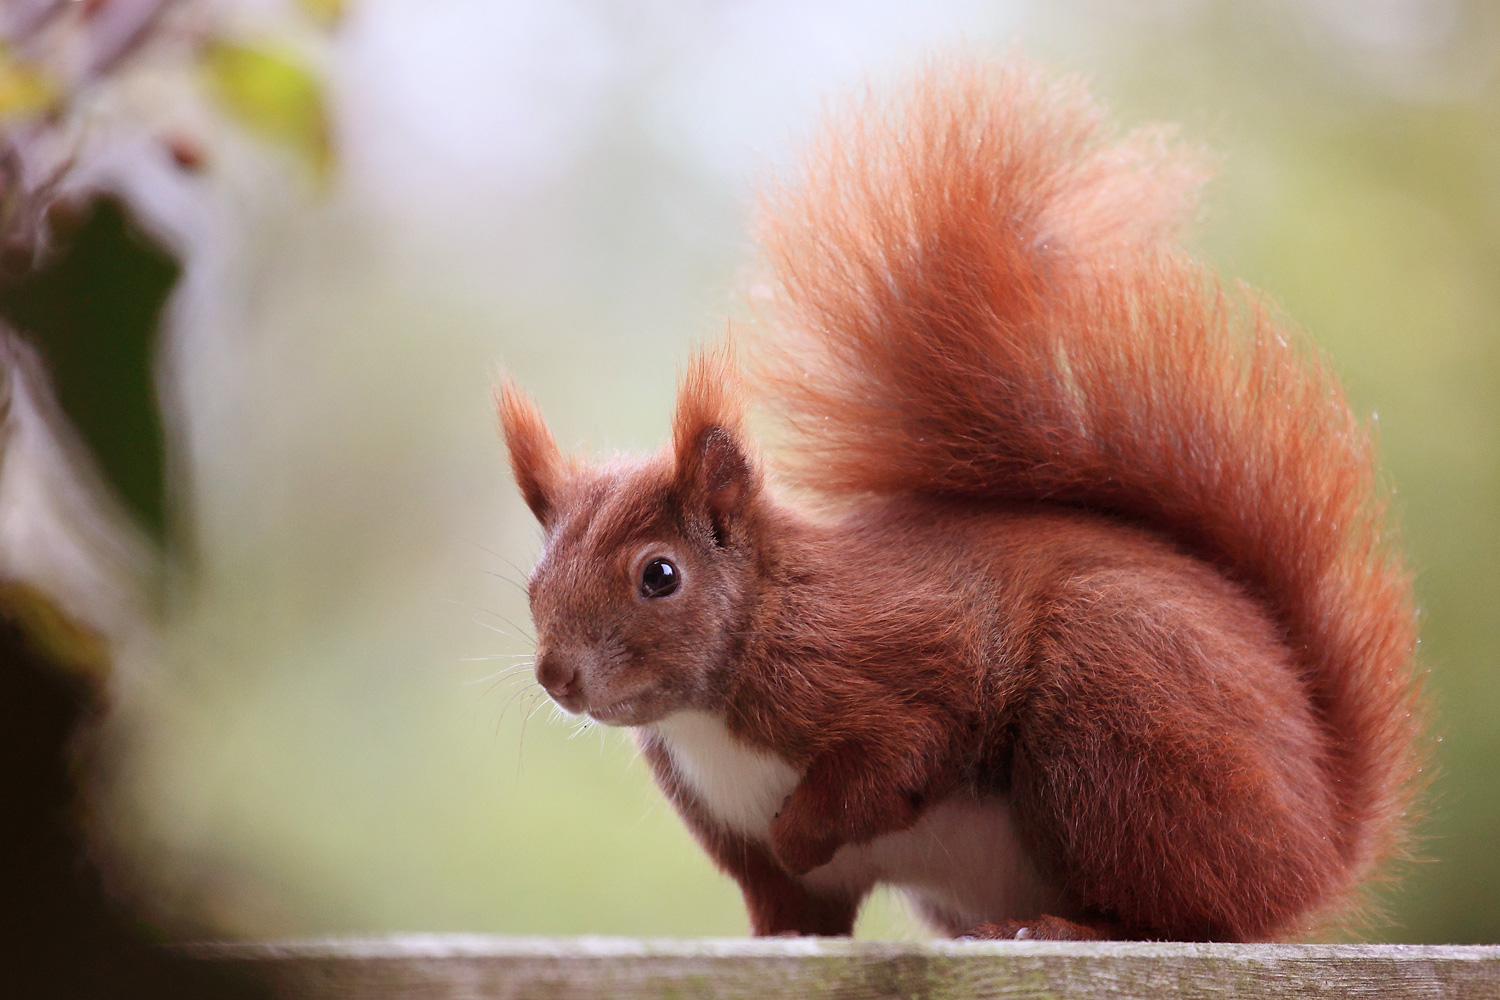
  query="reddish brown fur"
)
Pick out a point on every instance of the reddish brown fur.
point(1096, 536)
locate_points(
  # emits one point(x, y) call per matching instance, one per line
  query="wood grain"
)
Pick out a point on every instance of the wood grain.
point(449, 967)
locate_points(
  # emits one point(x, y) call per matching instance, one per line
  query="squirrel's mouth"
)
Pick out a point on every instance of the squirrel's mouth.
point(612, 713)
point(637, 710)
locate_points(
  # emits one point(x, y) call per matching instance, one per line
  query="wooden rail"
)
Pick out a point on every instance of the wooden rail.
point(449, 967)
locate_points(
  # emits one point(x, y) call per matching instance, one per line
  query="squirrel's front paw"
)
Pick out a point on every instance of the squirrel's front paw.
point(800, 851)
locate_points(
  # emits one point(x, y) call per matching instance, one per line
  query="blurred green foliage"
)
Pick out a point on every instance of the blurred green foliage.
point(94, 311)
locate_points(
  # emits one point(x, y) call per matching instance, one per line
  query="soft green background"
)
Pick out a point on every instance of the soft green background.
point(560, 189)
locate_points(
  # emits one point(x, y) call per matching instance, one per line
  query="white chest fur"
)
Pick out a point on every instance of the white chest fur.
point(741, 786)
point(962, 857)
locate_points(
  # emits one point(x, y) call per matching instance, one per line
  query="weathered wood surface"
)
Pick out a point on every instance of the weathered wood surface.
point(449, 967)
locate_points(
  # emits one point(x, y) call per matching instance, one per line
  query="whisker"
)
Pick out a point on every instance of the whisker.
point(526, 635)
point(502, 631)
point(515, 581)
point(505, 670)
point(524, 679)
point(651, 807)
point(519, 628)
point(508, 579)
point(515, 695)
point(497, 555)
point(536, 707)
point(497, 683)
point(521, 741)
point(499, 675)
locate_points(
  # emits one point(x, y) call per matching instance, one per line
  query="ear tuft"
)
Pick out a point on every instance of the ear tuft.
point(534, 457)
point(715, 471)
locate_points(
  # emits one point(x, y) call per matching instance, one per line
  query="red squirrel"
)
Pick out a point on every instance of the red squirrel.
point(1068, 606)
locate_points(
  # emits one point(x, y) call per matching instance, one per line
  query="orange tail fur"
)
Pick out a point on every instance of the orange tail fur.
point(977, 293)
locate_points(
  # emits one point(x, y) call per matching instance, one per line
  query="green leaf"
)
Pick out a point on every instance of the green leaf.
point(274, 95)
point(94, 310)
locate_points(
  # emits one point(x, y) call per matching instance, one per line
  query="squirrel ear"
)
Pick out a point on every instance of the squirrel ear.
point(715, 472)
point(718, 479)
point(534, 457)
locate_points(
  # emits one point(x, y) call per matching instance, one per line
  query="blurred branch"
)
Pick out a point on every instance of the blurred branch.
point(52, 51)
point(72, 566)
point(57, 55)
point(87, 37)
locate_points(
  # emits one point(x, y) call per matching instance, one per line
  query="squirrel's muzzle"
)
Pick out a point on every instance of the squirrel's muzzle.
point(559, 675)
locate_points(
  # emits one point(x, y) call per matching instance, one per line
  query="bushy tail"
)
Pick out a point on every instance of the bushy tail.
point(976, 292)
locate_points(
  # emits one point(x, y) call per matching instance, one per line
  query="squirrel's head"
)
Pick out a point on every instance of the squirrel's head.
point(637, 596)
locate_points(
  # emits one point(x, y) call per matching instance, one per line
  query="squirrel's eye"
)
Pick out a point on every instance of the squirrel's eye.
point(659, 578)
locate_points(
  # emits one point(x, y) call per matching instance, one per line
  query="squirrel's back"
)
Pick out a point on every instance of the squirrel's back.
point(977, 293)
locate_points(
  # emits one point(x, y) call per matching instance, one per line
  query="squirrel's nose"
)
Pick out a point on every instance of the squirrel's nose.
point(557, 675)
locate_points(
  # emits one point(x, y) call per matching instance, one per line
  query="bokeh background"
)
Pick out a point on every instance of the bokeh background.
point(322, 738)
